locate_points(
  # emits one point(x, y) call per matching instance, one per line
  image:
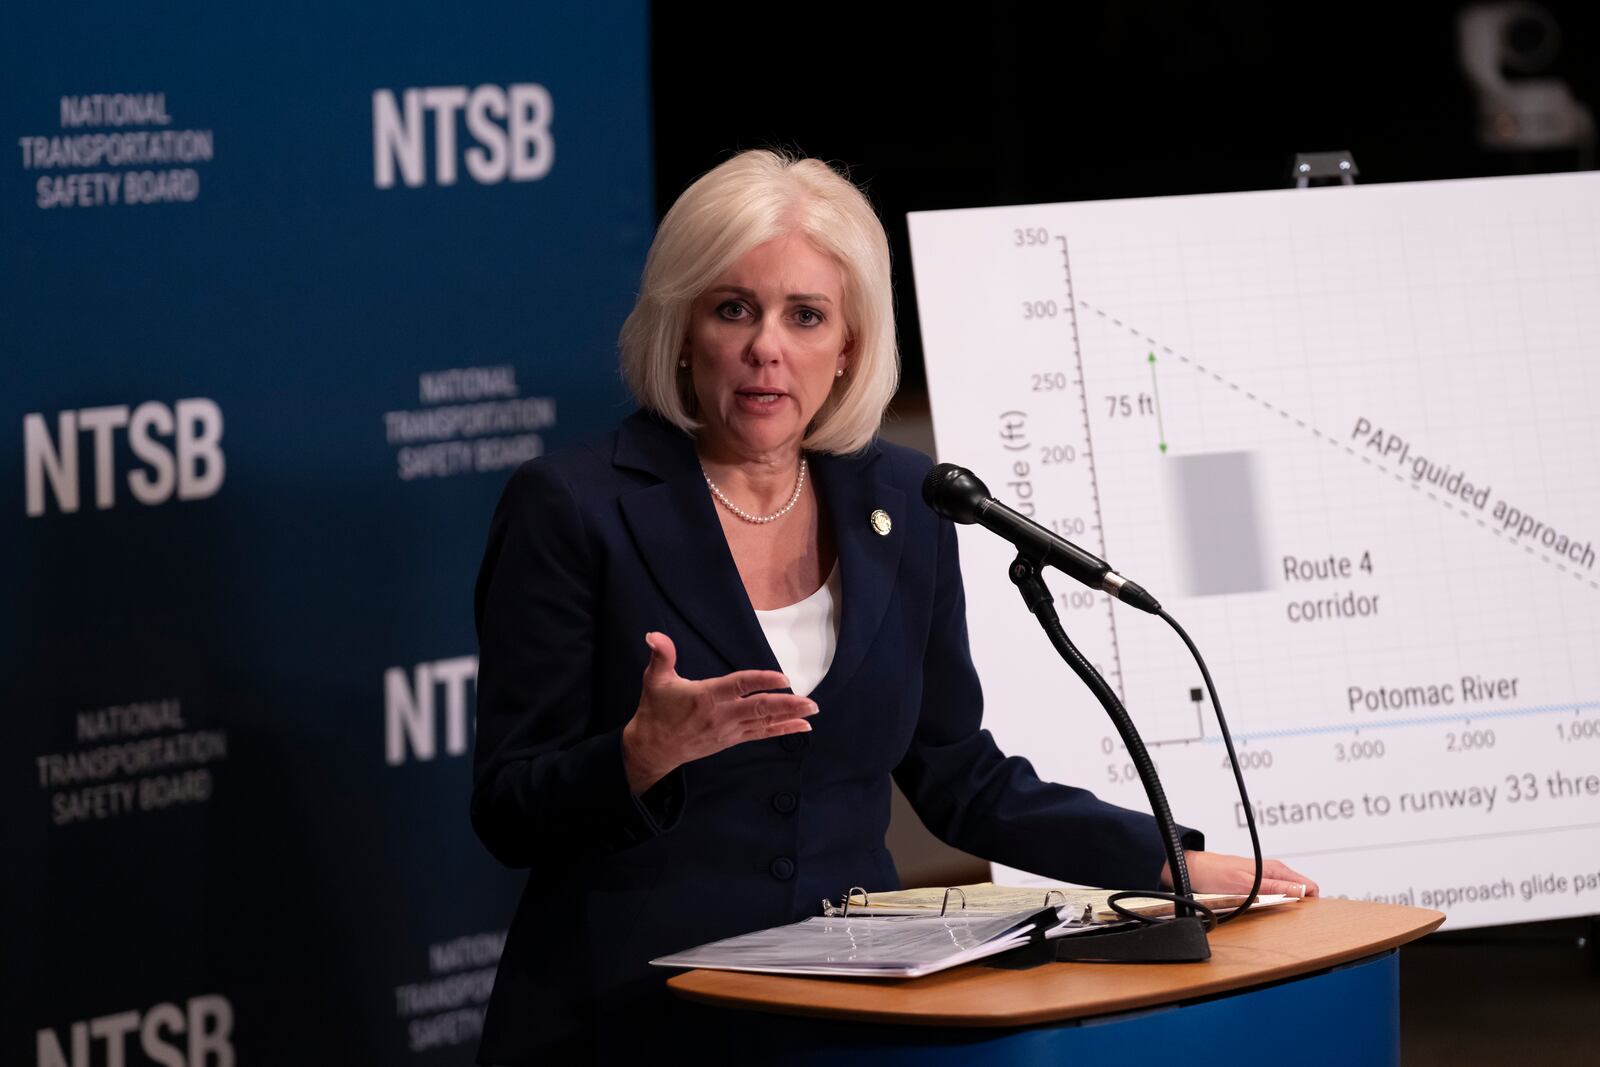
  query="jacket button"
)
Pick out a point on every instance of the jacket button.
point(793, 742)
point(782, 868)
point(785, 801)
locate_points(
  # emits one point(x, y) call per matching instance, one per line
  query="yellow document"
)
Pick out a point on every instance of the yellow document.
point(986, 897)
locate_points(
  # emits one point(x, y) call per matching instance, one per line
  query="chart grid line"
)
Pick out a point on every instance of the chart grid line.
point(1421, 720)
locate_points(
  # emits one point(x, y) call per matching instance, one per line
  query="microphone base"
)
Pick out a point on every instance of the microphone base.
point(1173, 941)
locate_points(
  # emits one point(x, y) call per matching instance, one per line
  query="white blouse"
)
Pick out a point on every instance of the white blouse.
point(803, 636)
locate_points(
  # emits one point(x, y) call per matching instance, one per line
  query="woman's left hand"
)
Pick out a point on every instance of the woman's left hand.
point(1217, 872)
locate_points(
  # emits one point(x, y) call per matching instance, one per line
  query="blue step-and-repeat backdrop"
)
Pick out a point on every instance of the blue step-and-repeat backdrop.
point(288, 291)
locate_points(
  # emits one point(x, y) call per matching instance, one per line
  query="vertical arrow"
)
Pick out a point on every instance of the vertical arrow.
point(1155, 386)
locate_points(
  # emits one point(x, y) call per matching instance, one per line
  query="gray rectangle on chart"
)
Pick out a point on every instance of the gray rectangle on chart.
point(1219, 536)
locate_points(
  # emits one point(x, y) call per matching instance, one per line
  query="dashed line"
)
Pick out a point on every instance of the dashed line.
point(1368, 460)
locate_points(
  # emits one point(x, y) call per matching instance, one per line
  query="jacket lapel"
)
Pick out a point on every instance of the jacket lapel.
point(852, 488)
point(675, 528)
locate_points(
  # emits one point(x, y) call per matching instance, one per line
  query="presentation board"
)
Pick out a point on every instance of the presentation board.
point(1348, 437)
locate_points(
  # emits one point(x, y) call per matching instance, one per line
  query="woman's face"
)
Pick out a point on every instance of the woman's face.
point(765, 344)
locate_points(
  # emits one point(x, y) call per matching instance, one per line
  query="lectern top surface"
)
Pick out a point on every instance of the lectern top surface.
point(1267, 947)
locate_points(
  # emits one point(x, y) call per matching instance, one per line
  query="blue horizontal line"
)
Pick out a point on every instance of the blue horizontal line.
point(1510, 713)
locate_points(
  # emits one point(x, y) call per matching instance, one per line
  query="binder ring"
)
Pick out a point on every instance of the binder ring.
point(1054, 893)
point(945, 904)
point(852, 892)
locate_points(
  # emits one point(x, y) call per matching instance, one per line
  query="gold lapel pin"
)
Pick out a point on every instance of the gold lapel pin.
point(880, 522)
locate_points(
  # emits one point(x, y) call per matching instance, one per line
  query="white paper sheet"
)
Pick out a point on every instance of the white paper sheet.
point(861, 946)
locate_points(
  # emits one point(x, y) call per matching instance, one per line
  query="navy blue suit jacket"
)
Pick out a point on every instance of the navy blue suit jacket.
point(590, 549)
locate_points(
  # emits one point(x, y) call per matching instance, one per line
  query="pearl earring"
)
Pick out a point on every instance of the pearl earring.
point(839, 373)
point(683, 363)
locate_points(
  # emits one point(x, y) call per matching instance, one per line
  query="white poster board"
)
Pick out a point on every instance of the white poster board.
point(1350, 438)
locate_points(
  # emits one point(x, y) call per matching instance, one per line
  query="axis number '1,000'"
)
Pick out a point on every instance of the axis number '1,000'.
point(1579, 730)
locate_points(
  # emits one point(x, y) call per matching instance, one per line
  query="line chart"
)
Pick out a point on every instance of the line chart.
point(1345, 436)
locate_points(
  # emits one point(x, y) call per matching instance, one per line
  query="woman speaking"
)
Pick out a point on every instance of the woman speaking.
point(710, 638)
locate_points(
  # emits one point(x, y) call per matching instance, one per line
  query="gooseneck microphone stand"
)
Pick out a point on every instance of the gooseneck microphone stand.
point(959, 495)
point(1176, 940)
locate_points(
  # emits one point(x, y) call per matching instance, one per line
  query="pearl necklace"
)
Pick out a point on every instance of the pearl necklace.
point(794, 498)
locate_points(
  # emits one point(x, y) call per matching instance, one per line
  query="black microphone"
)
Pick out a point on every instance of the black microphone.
point(959, 495)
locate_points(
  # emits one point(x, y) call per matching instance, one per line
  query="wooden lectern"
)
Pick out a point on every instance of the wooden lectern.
point(1315, 982)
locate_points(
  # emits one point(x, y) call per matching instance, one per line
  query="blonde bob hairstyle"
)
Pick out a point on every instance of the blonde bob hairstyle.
point(747, 201)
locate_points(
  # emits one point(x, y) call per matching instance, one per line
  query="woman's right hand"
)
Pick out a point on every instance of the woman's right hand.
point(681, 720)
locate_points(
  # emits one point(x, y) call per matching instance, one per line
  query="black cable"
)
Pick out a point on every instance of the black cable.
point(1233, 760)
point(1026, 577)
point(1208, 917)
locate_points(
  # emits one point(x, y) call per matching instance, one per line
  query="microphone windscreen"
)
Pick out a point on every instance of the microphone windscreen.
point(954, 492)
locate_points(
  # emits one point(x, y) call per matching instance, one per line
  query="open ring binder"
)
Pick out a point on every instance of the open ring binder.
point(945, 904)
point(911, 932)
